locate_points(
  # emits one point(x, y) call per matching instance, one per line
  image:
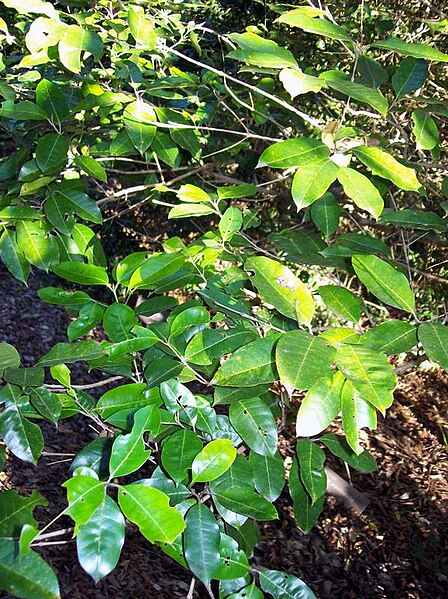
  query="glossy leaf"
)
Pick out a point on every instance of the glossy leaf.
point(137, 118)
point(387, 284)
point(84, 494)
point(28, 576)
point(233, 560)
point(414, 219)
point(384, 165)
point(79, 272)
point(424, 129)
point(325, 213)
point(261, 52)
point(302, 359)
point(434, 338)
point(357, 91)
point(416, 50)
point(410, 75)
point(51, 151)
point(311, 182)
point(22, 437)
point(99, 542)
point(178, 453)
point(75, 42)
point(342, 302)
point(360, 189)
point(216, 457)
point(149, 508)
point(323, 27)
point(201, 543)
point(67, 353)
point(128, 451)
point(311, 468)
point(278, 286)
point(391, 337)
point(305, 512)
point(250, 365)
point(16, 511)
point(141, 28)
point(297, 83)
point(320, 406)
point(284, 586)
point(269, 474)
point(294, 152)
point(363, 462)
point(91, 167)
point(253, 421)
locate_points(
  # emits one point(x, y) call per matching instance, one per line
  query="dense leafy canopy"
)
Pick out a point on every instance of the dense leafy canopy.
point(211, 336)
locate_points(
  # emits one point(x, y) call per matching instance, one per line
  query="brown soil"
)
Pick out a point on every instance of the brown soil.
point(396, 549)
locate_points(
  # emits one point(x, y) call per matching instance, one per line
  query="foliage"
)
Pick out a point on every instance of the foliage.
point(91, 92)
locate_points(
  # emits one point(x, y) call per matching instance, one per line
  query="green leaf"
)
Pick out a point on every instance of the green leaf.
point(364, 462)
point(190, 211)
point(384, 165)
point(294, 152)
point(84, 495)
point(425, 130)
point(278, 285)
point(311, 468)
point(361, 190)
point(243, 500)
point(370, 372)
point(230, 223)
point(123, 398)
point(89, 316)
point(46, 403)
point(154, 269)
point(191, 193)
point(325, 213)
point(75, 41)
point(414, 219)
point(297, 83)
point(372, 73)
point(305, 513)
point(137, 118)
point(311, 181)
point(150, 509)
point(260, 52)
point(416, 50)
point(99, 542)
point(216, 457)
point(434, 338)
point(320, 406)
point(118, 322)
point(210, 344)
point(297, 18)
point(22, 437)
point(22, 111)
point(91, 167)
point(79, 272)
point(391, 337)
point(302, 359)
point(178, 453)
point(269, 474)
point(284, 586)
point(201, 543)
point(342, 302)
point(349, 412)
point(410, 75)
point(254, 422)
point(33, 6)
point(66, 353)
point(129, 452)
point(51, 152)
point(9, 357)
point(50, 98)
point(38, 248)
point(249, 592)
point(233, 560)
point(387, 284)
point(357, 91)
point(16, 511)
point(28, 576)
point(250, 365)
point(12, 256)
point(166, 149)
point(141, 28)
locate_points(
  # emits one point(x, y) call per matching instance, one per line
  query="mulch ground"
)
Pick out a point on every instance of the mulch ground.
point(396, 549)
